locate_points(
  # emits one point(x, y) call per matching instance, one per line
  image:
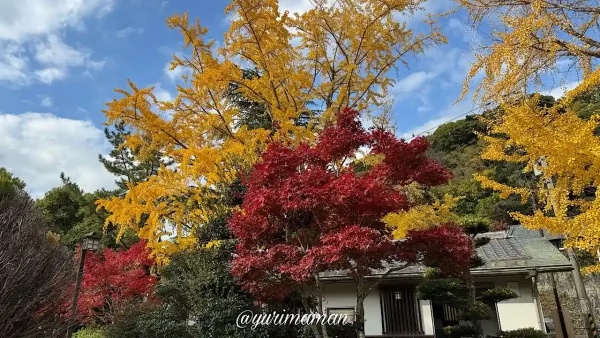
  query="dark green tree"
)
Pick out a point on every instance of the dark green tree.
point(61, 206)
point(9, 184)
point(126, 163)
point(457, 146)
point(71, 213)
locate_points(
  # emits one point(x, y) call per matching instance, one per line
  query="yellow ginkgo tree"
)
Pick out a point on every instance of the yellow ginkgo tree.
point(337, 54)
point(528, 40)
point(532, 39)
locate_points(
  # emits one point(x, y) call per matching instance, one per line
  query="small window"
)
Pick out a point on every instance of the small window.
point(348, 311)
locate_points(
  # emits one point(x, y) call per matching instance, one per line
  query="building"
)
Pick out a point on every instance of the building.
point(512, 259)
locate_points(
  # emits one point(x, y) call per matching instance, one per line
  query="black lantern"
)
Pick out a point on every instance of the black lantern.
point(89, 242)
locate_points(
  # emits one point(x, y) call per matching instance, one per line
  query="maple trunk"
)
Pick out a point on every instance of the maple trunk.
point(360, 310)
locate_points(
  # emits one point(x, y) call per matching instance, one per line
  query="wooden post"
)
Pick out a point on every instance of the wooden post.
point(73, 313)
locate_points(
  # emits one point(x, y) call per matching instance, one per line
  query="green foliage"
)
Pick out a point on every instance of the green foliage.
point(522, 333)
point(449, 291)
point(587, 104)
point(456, 135)
point(89, 333)
point(71, 213)
point(475, 225)
point(458, 331)
point(126, 163)
point(199, 285)
point(216, 229)
point(61, 206)
point(496, 295)
point(457, 147)
point(476, 311)
point(9, 185)
point(253, 115)
point(149, 320)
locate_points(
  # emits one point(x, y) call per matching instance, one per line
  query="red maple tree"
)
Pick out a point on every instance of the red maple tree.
point(308, 210)
point(113, 278)
point(445, 247)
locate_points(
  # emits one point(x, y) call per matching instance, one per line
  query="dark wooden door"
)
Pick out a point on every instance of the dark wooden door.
point(400, 311)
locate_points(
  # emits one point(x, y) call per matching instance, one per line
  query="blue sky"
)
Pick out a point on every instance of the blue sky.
point(61, 60)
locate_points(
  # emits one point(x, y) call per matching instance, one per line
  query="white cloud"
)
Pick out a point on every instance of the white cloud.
point(49, 75)
point(429, 7)
point(24, 19)
point(54, 52)
point(452, 112)
point(413, 81)
point(13, 64)
point(37, 26)
point(37, 147)
point(448, 67)
point(125, 32)
point(295, 6)
point(560, 91)
point(174, 74)
point(95, 65)
point(162, 94)
point(46, 101)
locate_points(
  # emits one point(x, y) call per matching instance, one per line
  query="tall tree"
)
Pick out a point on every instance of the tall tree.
point(71, 213)
point(61, 206)
point(9, 184)
point(335, 55)
point(35, 273)
point(531, 39)
point(537, 37)
point(310, 212)
point(125, 162)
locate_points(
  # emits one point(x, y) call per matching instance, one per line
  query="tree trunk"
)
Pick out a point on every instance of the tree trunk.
point(359, 318)
point(314, 328)
point(471, 298)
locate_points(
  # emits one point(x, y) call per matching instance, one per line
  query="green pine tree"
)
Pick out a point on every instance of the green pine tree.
point(124, 162)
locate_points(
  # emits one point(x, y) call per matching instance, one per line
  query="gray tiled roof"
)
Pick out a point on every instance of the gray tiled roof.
point(521, 232)
point(504, 253)
point(502, 249)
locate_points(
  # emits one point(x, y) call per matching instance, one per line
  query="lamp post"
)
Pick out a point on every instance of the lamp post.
point(89, 242)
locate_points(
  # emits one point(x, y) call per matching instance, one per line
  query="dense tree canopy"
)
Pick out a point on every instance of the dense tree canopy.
point(111, 280)
point(529, 40)
point(334, 55)
point(9, 184)
point(536, 38)
point(307, 211)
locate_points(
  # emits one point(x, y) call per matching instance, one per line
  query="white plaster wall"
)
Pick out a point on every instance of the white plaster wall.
point(427, 317)
point(344, 295)
point(521, 312)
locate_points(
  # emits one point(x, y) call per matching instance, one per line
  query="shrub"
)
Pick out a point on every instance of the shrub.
point(89, 333)
point(496, 295)
point(35, 274)
point(522, 333)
